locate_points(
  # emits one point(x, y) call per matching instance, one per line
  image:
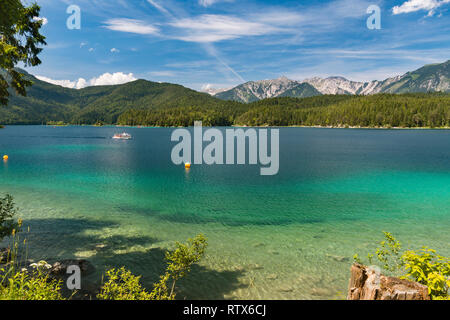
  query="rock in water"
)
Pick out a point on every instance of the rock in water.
point(272, 276)
point(60, 268)
point(367, 284)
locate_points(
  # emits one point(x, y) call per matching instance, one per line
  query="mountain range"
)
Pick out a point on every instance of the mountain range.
point(48, 102)
point(430, 78)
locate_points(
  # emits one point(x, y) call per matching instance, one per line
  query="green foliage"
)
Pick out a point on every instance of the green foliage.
point(56, 123)
point(19, 41)
point(7, 211)
point(18, 283)
point(388, 253)
point(418, 80)
point(104, 104)
point(181, 259)
point(23, 285)
point(121, 284)
point(381, 110)
point(301, 91)
point(427, 267)
point(424, 266)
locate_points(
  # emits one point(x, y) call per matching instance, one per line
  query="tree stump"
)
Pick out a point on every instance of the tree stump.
point(368, 284)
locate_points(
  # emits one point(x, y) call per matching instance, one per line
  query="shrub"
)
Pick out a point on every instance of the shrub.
point(424, 266)
point(22, 285)
point(7, 212)
point(427, 267)
point(123, 285)
point(17, 283)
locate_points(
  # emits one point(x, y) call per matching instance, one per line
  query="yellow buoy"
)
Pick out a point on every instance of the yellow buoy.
point(187, 165)
point(5, 157)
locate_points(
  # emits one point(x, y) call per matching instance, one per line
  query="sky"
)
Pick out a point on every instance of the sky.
point(222, 43)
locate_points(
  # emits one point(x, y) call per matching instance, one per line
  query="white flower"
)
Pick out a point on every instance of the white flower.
point(41, 264)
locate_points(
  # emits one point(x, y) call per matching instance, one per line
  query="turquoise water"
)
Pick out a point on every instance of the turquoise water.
point(289, 236)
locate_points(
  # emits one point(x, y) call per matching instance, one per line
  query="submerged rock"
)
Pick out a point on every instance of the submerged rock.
point(286, 288)
point(272, 276)
point(254, 266)
point(338, 258)
point(238, 268)
point(258, 245)
point(322, 292)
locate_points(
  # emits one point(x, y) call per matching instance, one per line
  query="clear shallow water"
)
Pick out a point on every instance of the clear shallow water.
point(289, 236)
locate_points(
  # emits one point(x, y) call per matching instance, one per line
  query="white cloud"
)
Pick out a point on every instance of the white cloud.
point(162, 74)
point(81, 83)
point(214, 89)
point(112, 79)
point(103, 80)
point(207, 3)
point(43, 19)
point(62, 83)
point(213, 28)
point(114, 50)
point(417, 5)
point(158, 6)
point(131, 26)
point(91, 49)
point(210, 28)
point(207, 86)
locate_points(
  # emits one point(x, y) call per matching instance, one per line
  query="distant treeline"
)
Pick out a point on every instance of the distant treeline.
point(161, 104)
point(149, 103)
point(381, 110)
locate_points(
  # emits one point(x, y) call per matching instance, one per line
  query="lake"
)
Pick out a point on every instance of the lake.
point(288, 236)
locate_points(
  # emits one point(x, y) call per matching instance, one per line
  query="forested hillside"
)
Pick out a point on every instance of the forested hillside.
point(382, 110)
point(162, 104)
point(46, 102)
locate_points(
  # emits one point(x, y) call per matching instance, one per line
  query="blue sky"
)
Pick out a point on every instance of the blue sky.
point(222, 43)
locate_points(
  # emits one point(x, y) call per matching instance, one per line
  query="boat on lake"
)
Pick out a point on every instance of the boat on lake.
point(122, 136)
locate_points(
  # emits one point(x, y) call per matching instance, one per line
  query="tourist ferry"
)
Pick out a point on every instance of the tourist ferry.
point(122, 136)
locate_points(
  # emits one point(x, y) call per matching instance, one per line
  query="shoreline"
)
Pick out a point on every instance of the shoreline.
point(236, 126)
